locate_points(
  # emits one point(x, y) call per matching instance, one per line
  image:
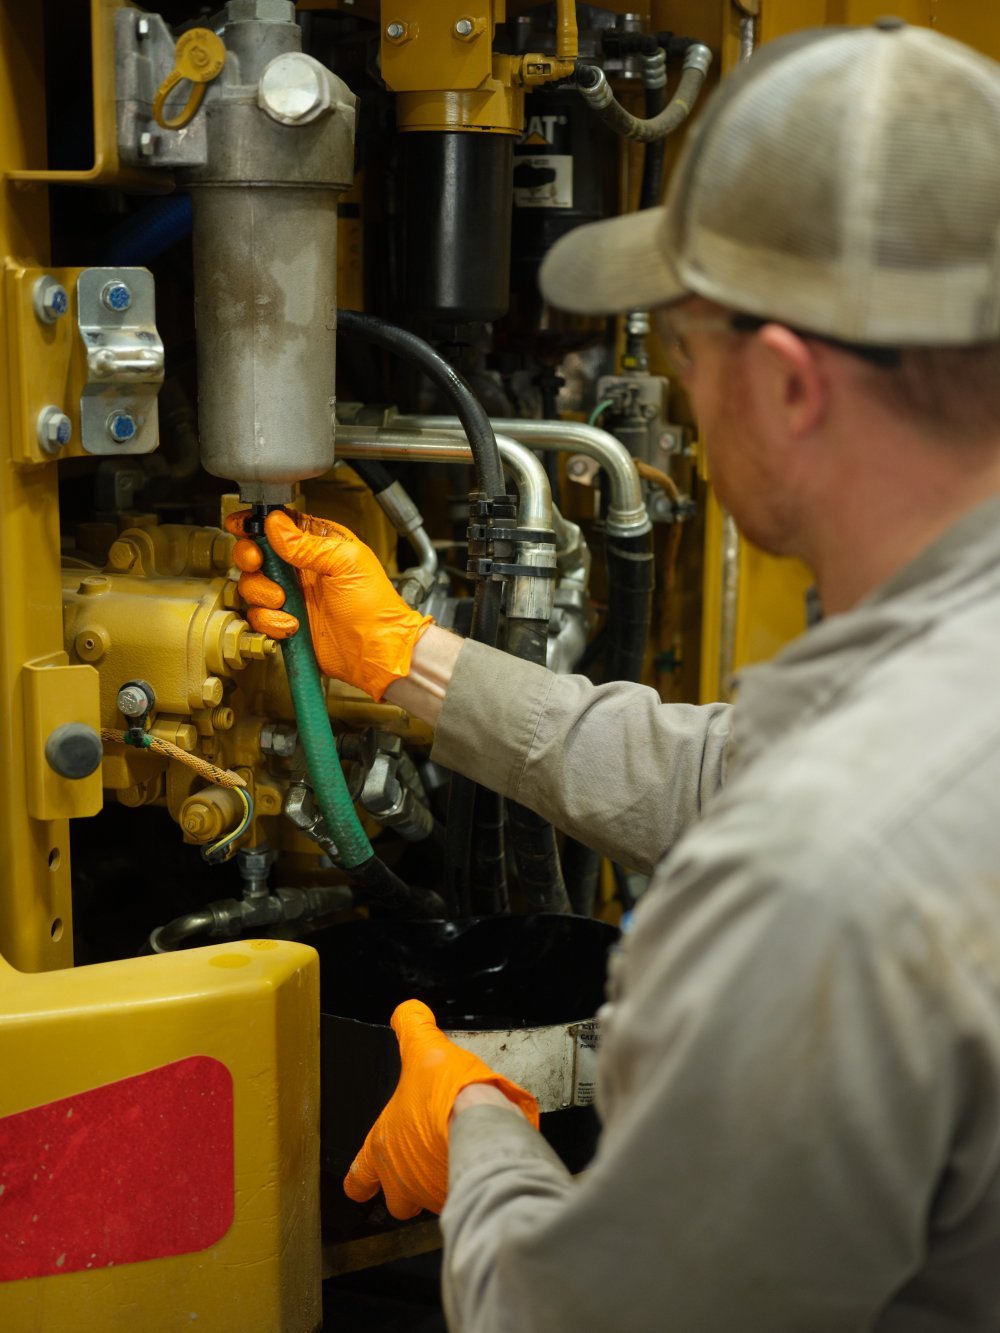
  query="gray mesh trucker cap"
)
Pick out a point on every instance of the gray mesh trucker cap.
point(844, 180)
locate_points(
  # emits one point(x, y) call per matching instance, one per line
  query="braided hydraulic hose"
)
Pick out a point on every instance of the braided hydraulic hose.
point(596, 92)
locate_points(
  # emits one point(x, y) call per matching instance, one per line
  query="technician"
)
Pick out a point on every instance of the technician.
point(800, 1070)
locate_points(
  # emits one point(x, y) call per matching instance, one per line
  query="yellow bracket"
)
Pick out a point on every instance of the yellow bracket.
point(198, 57)
point(107, 168)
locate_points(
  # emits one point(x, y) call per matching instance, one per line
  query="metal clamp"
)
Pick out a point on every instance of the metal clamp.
point(124, 361)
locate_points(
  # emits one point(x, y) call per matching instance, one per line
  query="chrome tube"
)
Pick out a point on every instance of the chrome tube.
point(627, 515)
point(434, 444)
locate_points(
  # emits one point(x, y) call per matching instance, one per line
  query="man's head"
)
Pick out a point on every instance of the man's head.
point(829, 254)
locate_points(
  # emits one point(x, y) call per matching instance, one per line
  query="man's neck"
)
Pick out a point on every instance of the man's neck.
point(878, 527)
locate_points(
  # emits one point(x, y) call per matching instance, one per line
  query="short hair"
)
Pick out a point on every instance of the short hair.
point(944, 391)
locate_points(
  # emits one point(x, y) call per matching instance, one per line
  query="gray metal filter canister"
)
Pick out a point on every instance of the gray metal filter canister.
point(280, 150)
point(266, 314)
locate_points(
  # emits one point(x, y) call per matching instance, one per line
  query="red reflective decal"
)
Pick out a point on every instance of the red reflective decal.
point(138, 1169)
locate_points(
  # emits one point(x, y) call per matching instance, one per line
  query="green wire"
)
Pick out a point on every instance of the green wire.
point(219, 851)
point(599, 411)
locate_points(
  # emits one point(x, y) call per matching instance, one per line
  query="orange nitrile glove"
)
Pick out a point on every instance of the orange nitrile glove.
point(363, 631)
point(406, 1151)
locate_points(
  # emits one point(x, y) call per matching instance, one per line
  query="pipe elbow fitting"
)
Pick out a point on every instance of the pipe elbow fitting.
point(698, 57)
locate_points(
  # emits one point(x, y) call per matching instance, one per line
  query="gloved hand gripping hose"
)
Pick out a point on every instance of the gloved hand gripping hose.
point(364, 868)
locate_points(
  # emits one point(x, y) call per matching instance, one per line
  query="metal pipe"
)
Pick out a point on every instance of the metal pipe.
point(626, 516)
point(437, 444)
point(174, 933)
point(748, 36)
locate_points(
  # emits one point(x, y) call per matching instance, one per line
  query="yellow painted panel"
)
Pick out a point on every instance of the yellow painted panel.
point(430, 56)
point(54, 694)
point(771, 608)
point(971, 21)
point(254, 1006)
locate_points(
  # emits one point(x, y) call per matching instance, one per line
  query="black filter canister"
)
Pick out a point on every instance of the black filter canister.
point(557, 173)
point(457, 205)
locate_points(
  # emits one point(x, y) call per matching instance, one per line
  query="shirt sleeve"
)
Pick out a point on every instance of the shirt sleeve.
point(612, 765)
point(778, 1092)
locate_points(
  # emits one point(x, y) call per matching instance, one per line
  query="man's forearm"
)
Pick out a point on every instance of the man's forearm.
point(422, 691)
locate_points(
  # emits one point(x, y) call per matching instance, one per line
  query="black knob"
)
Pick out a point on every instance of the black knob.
point(74, 750)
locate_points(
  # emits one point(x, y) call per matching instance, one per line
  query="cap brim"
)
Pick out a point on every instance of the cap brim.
point(606, 268)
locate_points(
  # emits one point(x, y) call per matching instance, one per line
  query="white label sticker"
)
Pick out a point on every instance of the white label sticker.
point(588, 1040)
point(543, 180)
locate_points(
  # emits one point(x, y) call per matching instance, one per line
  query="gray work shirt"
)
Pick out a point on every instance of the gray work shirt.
point(800, 1073)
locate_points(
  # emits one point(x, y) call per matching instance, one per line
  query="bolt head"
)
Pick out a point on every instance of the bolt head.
point(464, 28)
point(294, 89)
point(122, 427)
point(142, 28)
point(54, 429)
point(116, 296)
point(50, 300)
point(147, 144)
point(266, 11)
point(132, 701)
point(395, 31)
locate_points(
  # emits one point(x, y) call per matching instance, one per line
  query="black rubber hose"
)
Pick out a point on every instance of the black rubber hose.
point(380, 888)
point(536, 851)
point(654, 153)
point(630, 599)
point(486, 607)
point(462, 796)
point(376, 477)
point(582, 868)
point(468, 408)
point(489, 861)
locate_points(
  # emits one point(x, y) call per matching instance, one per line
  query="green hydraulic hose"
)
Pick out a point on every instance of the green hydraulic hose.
point(315, 732)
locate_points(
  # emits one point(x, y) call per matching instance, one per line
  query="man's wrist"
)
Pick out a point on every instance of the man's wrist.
point(481, 1094)
point(421, 692)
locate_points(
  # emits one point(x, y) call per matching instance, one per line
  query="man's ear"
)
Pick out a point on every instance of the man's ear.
point(792, 388)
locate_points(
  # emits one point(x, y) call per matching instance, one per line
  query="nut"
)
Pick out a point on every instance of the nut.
point(279, 739)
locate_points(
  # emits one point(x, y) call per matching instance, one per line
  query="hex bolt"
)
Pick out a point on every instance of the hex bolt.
point(464, 28)
point(116, 296)
point(132, 701)
point(395, 31)
point(279, 739)
point(122, 427)
point(49, 299)
point(54, 429)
